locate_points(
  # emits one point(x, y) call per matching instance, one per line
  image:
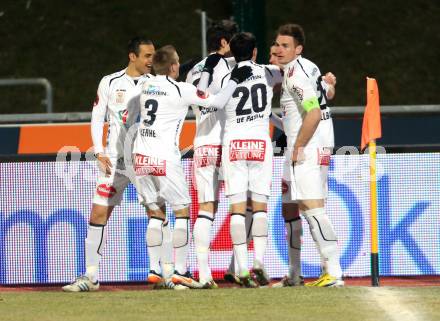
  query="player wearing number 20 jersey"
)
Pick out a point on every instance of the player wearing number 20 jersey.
point(247, 156)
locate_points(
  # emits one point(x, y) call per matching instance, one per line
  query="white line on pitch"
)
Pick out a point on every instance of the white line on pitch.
point(390, 301)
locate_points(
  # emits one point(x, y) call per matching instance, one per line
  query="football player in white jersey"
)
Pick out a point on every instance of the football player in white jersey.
point(207, 143)
point(247, 154)
point(118, 99)
point(309, 129)
point(159, 173)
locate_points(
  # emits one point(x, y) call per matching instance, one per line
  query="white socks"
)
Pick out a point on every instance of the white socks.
point(238, 236)
point(259, 235)
point(95, 243)
point(181, 239)
point(202, 241)
point(233, 266)
point(294, 232)
point(154, 239)
point(166, 258)
point(325, 239)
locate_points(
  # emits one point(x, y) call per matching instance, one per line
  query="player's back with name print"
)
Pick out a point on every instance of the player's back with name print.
point(162, 114)
point(248, 110)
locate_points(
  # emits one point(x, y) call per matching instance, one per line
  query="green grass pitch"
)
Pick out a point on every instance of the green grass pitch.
point(302, 304)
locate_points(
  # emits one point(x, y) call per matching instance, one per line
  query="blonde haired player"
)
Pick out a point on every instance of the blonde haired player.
point(160, 176)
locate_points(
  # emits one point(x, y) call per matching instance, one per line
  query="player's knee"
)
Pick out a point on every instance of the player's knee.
point(320, 225)
point(154, 232)
point(259, 224)
point(181, 232)
point(238, 229)
point(100, 214)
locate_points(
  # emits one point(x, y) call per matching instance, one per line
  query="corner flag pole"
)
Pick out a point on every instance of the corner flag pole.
point(373, 213)
point(371, 130)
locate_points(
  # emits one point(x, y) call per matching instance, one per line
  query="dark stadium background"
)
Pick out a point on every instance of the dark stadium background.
point(75, 43)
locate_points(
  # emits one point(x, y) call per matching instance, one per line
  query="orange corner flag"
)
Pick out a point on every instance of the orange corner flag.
point(371, 126)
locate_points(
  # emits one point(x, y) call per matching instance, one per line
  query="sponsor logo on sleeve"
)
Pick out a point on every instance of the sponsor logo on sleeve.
point(106, 190)
point(208, 155)
point(146, 165)
point(247, 149)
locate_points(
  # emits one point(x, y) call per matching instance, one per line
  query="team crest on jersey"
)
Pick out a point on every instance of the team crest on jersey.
point(290, 72)
point(146, 165)
point(247, 149)
point(120, 96)
point(298, 92)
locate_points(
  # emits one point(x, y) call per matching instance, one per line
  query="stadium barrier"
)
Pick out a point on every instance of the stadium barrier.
point(45, 208)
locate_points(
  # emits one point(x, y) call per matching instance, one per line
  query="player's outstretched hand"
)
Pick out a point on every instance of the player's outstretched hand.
point(211, 62)
point(104, 164)
point(241, 74)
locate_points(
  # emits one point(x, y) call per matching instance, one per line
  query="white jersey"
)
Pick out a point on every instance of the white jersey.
point(209, 121)
point(164, 105)
point(249, 109)
point(302, 82)
point(118, 100)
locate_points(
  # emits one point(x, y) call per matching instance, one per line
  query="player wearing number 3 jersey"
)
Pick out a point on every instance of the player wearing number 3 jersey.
point(159, 174)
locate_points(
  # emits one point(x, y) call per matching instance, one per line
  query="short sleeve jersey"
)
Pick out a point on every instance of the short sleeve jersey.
point(118, 98)
point(302, 82)
point(209, 121)
point(249, 109)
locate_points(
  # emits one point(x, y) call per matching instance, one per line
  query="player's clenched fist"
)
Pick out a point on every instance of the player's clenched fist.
point(241, 74)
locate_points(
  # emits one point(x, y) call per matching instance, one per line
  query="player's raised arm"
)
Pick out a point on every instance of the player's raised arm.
point(329, 84)
point(195, 97)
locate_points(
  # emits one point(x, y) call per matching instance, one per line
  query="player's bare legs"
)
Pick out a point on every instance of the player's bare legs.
point(325, 239)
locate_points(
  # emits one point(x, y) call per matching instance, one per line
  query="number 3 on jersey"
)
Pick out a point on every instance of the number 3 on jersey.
point(151, 105)
point(244, 92)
